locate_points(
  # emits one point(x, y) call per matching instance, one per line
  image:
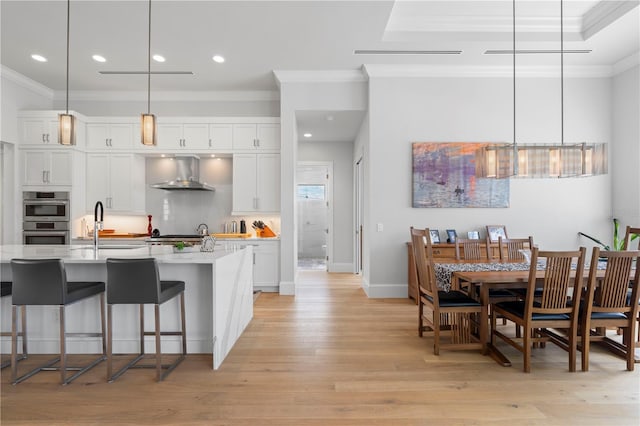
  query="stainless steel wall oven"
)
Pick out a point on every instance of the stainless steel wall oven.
point(45, 217)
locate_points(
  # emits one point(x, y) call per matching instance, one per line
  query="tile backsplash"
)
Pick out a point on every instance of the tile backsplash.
point(180, 212)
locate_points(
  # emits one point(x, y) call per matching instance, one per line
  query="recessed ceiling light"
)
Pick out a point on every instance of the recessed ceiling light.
point(213, 155)
point(329, 117)
point(38, 58)
point(219, 59)
point(99, 58)
point(158, 58)
point(307, 135)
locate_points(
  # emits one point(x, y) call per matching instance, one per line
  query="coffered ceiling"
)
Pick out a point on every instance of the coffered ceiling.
point(257, 37)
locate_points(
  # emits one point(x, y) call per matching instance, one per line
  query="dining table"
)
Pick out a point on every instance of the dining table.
point(487, 276)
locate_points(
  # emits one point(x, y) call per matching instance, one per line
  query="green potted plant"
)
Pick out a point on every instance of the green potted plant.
point(618, 243)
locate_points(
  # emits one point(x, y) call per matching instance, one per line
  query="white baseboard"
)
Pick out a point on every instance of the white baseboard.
point(341, 267)
point(267, 288)
point(394, 291)
point(287, 288)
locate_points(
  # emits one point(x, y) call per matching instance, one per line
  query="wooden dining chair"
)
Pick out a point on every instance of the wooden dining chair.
point(632, 234)
point(472, 249)
point(509, 248)
point(439, 311)
point(551, 310)
point(606, 303)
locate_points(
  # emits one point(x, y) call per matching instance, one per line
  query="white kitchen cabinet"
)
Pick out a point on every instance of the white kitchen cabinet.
point(221, 137)
point(264, 136)
point(266, 263)
point(110, 136)
point(117, 180)
point(256, 183)
point(39, 130)
point(44, 167)
point(183, 136)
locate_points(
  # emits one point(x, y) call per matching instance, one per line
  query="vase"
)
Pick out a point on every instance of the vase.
point(149, 227)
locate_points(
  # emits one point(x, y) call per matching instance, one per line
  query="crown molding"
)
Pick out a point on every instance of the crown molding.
point(626, 63)
point(319, 76)
point(460, 71)
point(169, 96)
point(603, 14)
point(25, 82)
point(483, 24)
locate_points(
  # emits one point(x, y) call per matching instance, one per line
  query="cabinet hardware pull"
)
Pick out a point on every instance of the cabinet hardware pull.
point(209, 143)
point(43, 138)
point(47, 137)
point(258, 142)
point(44, 174)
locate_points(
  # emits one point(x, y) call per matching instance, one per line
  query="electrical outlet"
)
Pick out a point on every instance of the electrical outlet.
point(380, 227)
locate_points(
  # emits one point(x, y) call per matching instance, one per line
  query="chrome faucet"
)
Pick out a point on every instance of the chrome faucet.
point(97, 224)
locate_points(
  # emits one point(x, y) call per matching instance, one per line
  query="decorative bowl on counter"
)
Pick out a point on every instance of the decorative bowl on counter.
point(182, 247)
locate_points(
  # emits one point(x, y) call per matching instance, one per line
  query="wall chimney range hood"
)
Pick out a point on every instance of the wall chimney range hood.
point(187, 176)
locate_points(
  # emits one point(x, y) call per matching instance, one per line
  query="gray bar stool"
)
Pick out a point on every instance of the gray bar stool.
point(5, 290)
point(137, 281)
point(44, 282)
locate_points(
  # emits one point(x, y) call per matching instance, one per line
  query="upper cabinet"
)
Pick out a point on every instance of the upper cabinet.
point(256, 184)
point(183, 136)
point(221, 137)
point(40, 128)
point(110, 136)
point(44, 167)
point(263, 136)
point(117, 180)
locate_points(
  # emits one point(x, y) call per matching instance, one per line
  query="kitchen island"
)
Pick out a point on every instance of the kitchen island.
point(218, 298)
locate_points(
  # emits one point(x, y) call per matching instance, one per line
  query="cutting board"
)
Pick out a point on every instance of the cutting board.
point(120, 235)
point(231, 235)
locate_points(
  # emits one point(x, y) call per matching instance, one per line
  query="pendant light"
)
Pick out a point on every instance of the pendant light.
point(148, 122)
point(541, 160)
point(67, 122)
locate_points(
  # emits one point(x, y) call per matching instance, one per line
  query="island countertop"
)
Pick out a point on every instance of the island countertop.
point(86, 253)
point(218, 297)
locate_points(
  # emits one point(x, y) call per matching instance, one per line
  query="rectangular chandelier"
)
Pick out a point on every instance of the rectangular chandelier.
point(499, 161)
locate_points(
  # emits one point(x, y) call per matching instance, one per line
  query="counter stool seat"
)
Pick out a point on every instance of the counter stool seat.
point(44, 282)
point(137, 281)
point(5, 290)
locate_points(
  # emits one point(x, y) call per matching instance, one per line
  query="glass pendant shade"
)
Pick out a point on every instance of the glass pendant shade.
point(148, 129)
point(497, 161)
point(66, 129)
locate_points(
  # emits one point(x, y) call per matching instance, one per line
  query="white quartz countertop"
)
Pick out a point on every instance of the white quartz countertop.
point(87, 254)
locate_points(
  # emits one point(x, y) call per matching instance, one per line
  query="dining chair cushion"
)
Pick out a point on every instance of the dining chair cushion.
point(170, 289)
point(6, 289)
point(454, 298)
point(78, 290)
point(517, 308)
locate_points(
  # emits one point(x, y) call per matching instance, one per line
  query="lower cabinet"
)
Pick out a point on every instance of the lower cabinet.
point(117, 180)
point(266, 264)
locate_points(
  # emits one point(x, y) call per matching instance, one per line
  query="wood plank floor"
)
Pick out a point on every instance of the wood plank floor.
point(331, 356)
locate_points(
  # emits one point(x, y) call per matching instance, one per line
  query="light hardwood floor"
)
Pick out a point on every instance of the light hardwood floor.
point(331, 356)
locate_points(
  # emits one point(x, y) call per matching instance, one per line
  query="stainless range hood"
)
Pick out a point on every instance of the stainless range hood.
point(187, 176)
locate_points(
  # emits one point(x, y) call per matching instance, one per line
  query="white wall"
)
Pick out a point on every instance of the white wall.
point(341, 154)
point(298, 94)
point(185, 107)
point(17, 93)
point(625, 151)
point(406, 110)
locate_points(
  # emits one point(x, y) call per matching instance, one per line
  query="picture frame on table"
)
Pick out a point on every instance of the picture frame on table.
point(435, 236)
point(451, 235)
point(496, 231)
point(473, 235)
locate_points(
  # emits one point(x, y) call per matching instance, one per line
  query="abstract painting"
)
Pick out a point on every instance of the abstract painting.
point(444, 176)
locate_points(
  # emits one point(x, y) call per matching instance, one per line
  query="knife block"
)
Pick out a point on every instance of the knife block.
point(266, 232)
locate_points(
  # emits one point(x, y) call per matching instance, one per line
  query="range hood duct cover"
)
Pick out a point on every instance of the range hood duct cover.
point(187, 177)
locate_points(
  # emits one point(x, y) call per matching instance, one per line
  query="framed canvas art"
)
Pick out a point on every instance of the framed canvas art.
point(444, 175)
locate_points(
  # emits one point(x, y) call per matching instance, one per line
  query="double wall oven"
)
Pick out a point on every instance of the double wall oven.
point(45, 217)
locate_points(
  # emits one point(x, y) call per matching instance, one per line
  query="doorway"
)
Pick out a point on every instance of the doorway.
point(314, 198)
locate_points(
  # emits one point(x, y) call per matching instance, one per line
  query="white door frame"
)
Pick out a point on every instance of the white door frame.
point(329, 166)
